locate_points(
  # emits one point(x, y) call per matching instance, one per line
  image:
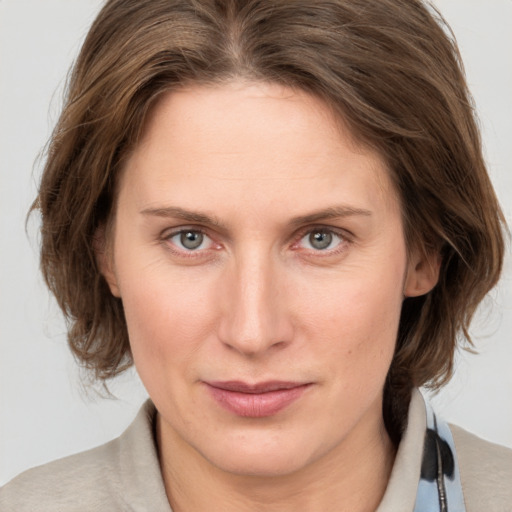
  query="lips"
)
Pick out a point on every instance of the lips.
point(256, 400)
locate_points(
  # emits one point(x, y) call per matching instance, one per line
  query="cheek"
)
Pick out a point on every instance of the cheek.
point(354, 320)
point(167, 317)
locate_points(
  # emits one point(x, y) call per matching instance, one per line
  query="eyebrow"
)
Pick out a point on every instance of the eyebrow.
point(333, 212)
point(174, 212)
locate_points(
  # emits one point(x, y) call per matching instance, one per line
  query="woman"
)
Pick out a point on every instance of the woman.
point(280, 213)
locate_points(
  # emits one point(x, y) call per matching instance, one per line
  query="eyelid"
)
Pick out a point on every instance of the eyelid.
point(342, 232)
point(345, 236)
point(169, 233)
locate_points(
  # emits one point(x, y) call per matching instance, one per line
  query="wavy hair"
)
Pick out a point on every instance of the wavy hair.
point(389, 68)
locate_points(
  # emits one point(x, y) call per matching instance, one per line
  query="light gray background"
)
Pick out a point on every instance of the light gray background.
point(44, 411)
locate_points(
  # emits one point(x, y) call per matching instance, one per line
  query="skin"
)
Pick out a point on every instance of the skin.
point(256, 169)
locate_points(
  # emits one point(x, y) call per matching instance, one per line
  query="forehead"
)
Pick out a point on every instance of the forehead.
point(252, 140)
point(254, 111)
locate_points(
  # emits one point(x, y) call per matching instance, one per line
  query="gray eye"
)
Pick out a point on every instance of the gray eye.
point(320, 239)
point(191, 239)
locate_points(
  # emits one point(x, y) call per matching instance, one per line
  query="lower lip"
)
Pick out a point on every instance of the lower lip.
point(256, 405)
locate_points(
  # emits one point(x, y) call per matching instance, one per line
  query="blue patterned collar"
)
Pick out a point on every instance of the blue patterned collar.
point(439, 488)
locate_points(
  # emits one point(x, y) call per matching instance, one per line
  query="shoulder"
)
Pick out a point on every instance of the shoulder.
point(78, 482)
point(120, 475)
point(486, 472)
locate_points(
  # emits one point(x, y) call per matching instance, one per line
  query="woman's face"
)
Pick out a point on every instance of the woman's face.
point(259, 254)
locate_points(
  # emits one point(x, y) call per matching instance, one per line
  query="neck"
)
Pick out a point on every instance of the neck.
point(351, 477)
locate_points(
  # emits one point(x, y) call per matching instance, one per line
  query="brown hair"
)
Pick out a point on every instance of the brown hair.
point(392, 71)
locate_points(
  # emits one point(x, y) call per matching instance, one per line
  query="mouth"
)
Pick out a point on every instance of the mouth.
point(256, 400)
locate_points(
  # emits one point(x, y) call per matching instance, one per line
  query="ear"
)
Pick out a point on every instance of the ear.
point(422, 273)
point(105, 260)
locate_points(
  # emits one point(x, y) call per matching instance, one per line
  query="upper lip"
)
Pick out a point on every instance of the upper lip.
point(259, 387)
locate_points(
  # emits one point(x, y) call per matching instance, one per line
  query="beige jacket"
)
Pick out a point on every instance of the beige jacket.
point(124, 474)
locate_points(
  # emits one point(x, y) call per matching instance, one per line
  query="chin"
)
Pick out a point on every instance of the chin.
point(261, 465)
point(262, 456)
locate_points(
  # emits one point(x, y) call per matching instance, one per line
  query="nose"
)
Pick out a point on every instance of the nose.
point(255, 316)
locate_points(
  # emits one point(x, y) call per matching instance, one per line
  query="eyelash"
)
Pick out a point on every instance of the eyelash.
point(344, 240)
point(184, 253)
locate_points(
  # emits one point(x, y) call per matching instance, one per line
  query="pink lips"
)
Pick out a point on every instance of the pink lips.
point(258, 400)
